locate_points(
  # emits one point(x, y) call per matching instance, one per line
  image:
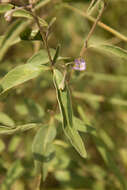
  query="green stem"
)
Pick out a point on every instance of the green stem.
point(42, 34)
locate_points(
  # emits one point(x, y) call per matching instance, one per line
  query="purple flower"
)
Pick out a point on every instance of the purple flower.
point(79, 64)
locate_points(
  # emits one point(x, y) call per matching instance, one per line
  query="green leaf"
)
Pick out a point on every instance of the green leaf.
point(109, 161)
point(26, 14)
point(79, 125)
point(6, 120)
point(20, 128)
point(20, 74)
point(41, 57)
point(56, 54)
point(43, 149)
point(63, 97)
point(5, 7)
point(22, 13)
point(14, 172)
point(111, 50)
point(12, 33)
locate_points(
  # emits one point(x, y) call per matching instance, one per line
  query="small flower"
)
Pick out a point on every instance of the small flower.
point(79, 64)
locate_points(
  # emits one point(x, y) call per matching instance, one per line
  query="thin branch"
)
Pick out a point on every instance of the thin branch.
point(91, 31)
point(42, 34)
point(91, 4)
point(101, 24)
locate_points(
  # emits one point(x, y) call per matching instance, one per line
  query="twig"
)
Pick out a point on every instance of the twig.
point(101, 24)
point(42, 34)
point(91, 4)
point(91, 31)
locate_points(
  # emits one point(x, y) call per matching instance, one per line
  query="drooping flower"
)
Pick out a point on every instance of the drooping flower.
point(79, 64)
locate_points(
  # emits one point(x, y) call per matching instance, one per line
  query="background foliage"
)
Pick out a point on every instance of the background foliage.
point(99, 98)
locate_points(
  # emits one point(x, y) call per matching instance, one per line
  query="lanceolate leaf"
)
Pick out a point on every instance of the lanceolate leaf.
point(79, 125)
point(64, 101)
point(4, 130)
point(43, 149)
point(15, 29)
point(56, 54)
point(26, 14)
point(111, 50)
point(41, 57)
point(19, 75)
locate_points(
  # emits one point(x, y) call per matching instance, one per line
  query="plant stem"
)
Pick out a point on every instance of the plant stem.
point(101, 24)
point(91, 4)
point(42, 34)
point(91, 31)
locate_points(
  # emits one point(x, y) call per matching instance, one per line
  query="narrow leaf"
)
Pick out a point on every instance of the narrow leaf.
point(111, 50)
point(41, 57)
point(26, 14)
point(19, 75)
point(79, 125)
point(15, 29)
point(56, 54)
point(9, 131)
point(43, 149)
point(64, 100)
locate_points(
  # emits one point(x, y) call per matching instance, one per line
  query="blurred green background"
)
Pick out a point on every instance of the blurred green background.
point(99, 97)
